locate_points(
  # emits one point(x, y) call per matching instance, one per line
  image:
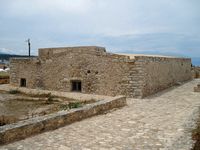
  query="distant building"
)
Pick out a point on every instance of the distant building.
point(2, 66)
point(94, 71)
point(4, 61)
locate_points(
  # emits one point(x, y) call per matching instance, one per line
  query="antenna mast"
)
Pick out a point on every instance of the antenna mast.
point(29, 47)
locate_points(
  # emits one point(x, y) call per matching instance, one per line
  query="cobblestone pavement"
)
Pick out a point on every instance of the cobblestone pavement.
point(163, 121)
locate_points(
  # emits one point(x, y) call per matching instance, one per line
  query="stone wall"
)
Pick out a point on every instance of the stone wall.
point(24, 129)
point(159, 73)
point(195, 72)
point(99, 72)
point(28, 68)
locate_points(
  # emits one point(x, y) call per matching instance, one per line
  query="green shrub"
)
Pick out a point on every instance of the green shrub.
point(74, 105)
point(71, 105)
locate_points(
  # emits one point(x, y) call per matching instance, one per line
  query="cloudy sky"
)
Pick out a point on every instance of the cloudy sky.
point(170, 27)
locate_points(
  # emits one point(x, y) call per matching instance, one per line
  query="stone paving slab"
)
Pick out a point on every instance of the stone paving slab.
point(160, 122)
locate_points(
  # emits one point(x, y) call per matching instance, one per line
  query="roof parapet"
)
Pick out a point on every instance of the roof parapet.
point(46, 53)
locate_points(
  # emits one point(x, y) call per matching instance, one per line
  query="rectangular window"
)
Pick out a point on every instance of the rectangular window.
point(76, 86)
point(23, 82)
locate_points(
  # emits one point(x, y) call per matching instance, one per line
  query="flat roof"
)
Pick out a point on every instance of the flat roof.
point(132, 56)
point(73, 47)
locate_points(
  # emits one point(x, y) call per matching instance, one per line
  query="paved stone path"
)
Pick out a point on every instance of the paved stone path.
point(160, 122)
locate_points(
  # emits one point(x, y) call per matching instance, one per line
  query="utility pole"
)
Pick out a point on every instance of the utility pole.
point(29, 47)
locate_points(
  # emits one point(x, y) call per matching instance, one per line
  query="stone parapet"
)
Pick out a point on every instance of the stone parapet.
point(47, 53)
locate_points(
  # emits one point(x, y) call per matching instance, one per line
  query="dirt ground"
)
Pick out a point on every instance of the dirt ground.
point(17, 106)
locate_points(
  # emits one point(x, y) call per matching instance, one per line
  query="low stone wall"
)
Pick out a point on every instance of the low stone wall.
point(23, 129)
point(197, 89)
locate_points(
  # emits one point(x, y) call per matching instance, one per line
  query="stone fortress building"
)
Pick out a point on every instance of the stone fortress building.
point(92, 70)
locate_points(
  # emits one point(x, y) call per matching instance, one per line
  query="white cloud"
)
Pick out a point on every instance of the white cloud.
point(107, 17)
point(101, 22)
point(5, 50)
point(46, 7)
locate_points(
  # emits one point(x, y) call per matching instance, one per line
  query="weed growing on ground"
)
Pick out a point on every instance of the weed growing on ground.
point(71, 105)
point(74, 105)
point(4, 75)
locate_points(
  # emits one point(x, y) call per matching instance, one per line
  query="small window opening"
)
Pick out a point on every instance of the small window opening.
point(23, 82)
point(76, 86)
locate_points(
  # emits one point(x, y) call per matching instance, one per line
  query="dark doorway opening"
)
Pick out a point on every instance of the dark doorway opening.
point(76, 86)
point(23, 82)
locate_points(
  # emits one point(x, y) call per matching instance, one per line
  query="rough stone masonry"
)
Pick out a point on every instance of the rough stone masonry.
point(92, 70)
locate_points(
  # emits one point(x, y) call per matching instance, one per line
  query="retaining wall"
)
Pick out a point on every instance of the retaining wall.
point(23, 129)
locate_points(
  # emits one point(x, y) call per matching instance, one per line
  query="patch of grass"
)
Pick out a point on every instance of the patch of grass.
point(14, 92)
point(4, 74)
point(71, 105)
point(74, 105)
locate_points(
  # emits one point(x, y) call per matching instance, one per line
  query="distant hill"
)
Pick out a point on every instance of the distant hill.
point(196, 61)
point(8, 56)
